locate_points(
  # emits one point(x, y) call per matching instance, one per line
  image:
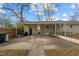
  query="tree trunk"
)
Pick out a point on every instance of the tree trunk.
point(21, 13)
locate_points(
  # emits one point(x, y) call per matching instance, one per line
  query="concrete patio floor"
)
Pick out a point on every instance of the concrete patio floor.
point(37, 44)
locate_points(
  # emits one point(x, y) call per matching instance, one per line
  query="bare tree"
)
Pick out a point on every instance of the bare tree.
point(18, 10)
point(5, 21)
point(37, 11)
point(75, 15)
point(49, 10)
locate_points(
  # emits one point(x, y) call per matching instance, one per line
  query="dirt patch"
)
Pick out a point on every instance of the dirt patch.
point(13, 52)
point(63, 52)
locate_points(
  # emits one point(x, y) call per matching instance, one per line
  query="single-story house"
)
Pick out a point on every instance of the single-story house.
point(51, 27)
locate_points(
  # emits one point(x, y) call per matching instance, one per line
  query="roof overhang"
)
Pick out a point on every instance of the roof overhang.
point(51, 22)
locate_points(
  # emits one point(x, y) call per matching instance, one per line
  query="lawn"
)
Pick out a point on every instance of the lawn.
point(63, 52)
point(13, 52)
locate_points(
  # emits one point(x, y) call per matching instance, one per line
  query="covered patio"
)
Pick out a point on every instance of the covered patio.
point(46, 28)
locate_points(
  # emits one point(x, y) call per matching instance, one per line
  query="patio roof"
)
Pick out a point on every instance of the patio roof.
point(51, 22)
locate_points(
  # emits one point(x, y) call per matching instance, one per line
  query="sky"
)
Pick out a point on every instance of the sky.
point(62, 12)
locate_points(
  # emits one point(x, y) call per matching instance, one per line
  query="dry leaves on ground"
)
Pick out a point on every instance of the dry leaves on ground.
point(13, 52)
point(63, 52)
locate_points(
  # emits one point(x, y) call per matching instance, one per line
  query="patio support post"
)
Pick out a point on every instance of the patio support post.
point(65, 30)
point(38, 29)
point(28, 29)
point(60, 29)
point(60, 25)
point(16, 31)
point(55, 29)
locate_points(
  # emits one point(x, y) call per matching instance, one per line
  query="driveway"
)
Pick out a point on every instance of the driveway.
point(37, 44)
point(18, 43)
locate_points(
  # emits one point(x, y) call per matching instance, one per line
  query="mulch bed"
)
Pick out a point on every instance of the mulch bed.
point(76, 36)
point(62, 52)
point(13, 52)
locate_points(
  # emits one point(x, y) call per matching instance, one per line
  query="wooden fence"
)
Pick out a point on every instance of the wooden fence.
point(11, 32)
